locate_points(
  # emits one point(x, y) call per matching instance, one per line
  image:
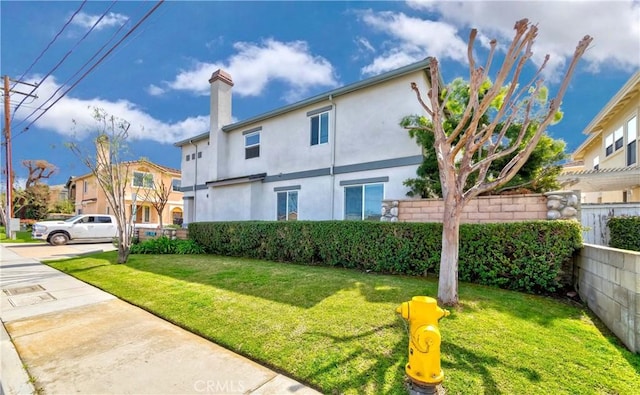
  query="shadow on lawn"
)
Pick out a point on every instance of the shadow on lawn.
point(297, 285)
point(383, 365)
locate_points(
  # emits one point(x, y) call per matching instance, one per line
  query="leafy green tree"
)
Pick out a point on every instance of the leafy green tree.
point(468, 139)
point(31, 202)
point(65, 206)
point(538, 174)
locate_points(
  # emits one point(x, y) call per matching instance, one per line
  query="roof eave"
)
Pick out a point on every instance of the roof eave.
point(193, 139)
point(628, 86)
point(423, 64)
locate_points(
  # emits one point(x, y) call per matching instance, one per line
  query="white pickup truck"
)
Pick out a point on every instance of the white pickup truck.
point(83, 227)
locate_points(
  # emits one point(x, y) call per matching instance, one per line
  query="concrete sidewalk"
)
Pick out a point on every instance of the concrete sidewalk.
point(75, 338)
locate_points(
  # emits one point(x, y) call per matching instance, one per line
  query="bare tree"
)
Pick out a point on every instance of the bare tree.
point(522, 103)
point(39, 169)
point(111, 172)
point(158, 196)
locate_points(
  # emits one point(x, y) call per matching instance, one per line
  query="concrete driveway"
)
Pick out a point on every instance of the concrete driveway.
point(47, 252)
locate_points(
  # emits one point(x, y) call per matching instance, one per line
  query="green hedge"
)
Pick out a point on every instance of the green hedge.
point(625, 233)
point(528, 256)
point(165, 245)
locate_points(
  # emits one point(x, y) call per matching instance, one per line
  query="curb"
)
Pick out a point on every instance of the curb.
point(14, 379)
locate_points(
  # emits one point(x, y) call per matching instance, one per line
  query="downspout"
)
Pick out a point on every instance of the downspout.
point(195, 182)
point(333, 157)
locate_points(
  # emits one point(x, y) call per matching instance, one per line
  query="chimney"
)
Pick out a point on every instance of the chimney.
point(221, 84)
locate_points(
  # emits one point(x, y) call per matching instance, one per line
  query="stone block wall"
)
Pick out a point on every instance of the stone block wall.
point(146, 234)
point(482, 209)
point(608, 281)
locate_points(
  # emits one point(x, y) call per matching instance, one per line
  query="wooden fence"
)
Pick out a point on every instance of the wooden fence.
point(594, 219)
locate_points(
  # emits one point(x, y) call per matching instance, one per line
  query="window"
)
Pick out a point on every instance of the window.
point(199, 154)
point(188, 157)
point(363, 202)
point(287, 206)
point(141, 179)
point(103, 220)
point(618, 137)
point(608, 143)
point(175, 184)
point(632, 144)
point(320, 128)
point(193, 156)
point(596, 163)
point(252, 145)
point(146, 213)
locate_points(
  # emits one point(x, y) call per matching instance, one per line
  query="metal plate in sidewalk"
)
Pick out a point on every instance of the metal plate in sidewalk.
point(23, 290)
point(29, 300)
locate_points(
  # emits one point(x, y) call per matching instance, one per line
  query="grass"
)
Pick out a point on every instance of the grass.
point(337, 329)
point(23, 236)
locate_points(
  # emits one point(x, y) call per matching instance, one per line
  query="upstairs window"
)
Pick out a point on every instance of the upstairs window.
point(320, 128)
point(142, 180)
point(188, 157)
point(618, 137)
point(632, 141)
point(252, 145)
point(175, 184)
point(199, 154)
point(608, 143)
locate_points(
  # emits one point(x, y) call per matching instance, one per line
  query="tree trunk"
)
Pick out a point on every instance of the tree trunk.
point(123, 253)
point(448, 278)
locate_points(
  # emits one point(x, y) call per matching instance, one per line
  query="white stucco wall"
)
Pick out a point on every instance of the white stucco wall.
point(363, 125)
point(363, 128)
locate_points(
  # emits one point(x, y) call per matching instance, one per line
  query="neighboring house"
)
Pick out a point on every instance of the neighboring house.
point(57, 193)
point(605, 167)
point(85, 192)
point(332, 156)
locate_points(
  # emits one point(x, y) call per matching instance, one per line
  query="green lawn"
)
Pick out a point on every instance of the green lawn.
point(337, 329)
point(21, 237)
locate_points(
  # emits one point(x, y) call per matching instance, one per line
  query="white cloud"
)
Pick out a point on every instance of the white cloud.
point(253, 66)
point(412, 39)
point(155, 90)
point(87, 20)
point(143, 126)
point(365, 44)
point(613, 24)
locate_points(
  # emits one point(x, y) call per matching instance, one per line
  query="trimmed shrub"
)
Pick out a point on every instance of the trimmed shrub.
point(164, 245)
point(531, 256)
point(625, 233)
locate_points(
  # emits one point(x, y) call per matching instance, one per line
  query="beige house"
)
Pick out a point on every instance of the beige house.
point(605, 167)
point(144, 176)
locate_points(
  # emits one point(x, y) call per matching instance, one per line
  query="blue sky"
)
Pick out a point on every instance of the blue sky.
point(276, 53)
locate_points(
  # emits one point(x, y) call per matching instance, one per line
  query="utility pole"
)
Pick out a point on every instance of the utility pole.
point(7, 142)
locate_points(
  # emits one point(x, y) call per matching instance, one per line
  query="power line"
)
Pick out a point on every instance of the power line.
point(147, 15)
point(74, 75)
point(50, 43)
point(68, 53)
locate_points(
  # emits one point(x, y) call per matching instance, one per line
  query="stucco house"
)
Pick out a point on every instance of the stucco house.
point(144, 175)
point(605, 166)
point(336, 155)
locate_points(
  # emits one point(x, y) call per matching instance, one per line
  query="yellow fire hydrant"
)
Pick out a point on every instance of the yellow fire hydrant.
point(423, 368)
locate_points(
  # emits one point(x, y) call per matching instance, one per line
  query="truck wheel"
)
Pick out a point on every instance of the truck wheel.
point(59, 239)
